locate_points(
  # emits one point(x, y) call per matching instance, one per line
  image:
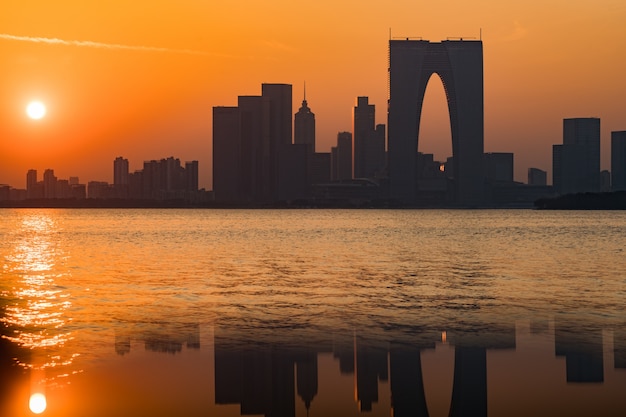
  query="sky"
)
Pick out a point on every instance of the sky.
point(139, 79)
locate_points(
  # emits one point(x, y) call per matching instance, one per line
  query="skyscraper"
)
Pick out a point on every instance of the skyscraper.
point(576, 163)
point(191, 175)
point(369, 140)
point(49, 184)
point(226, 154)
point(248, 144)
point(618, 160)
point(120, 171)
point(279, 117)
point(304, 126)
point(341, 157)
point(459, 64)
point(363, 121)
point(31, 183)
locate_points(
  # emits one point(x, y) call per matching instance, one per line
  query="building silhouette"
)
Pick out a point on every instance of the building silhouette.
point(254, 159)
point(279, 120)
point(537, 176)
point(576, 163)
point(121, 177)
point(304, 126)
point(120, 171)
point(459, 64)
point(341, 157)
point(34, 189)
point(618, 161)
point(49, 184)
point(369, 140)
point(228, 180)
point(499, 167)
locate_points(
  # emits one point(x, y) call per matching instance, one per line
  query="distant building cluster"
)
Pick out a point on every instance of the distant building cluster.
point(161, 180)
point(256, 160)
point(576, 162)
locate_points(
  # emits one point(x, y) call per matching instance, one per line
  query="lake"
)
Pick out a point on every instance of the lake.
point(152, 312)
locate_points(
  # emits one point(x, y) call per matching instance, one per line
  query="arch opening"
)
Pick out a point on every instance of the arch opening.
point(435, 132)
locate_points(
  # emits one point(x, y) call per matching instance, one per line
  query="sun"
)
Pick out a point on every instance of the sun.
point(37, 403)
point(36, 110)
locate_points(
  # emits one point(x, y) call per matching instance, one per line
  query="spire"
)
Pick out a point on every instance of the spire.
point(305, 106)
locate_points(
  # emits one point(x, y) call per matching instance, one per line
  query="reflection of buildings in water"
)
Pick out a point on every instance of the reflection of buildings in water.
point(371, 367)
point(583, 353)
point(260, 380)
point(306, 377)
point(158, 337)
point(264, 378)
point(619, 349)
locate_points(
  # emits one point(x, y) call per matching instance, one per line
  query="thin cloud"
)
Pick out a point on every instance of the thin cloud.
point(100, 45)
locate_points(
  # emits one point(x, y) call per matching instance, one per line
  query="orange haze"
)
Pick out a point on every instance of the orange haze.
point(544, 61)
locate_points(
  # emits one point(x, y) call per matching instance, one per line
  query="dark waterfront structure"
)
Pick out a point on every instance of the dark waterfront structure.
point(576, 163)
point(618, 160)
point(459, 64)
point(537, 176)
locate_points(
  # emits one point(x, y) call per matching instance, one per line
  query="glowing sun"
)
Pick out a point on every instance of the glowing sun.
point(37, 403)
point(36, 110)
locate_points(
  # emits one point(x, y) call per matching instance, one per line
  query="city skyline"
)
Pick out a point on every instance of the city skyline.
point(154, 96)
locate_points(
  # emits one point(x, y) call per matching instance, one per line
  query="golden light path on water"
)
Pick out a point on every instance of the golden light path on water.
point(36, 315)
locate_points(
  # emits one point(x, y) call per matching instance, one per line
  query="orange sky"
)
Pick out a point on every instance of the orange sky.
point(544, 61)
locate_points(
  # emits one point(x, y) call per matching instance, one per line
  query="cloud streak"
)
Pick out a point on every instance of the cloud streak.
point(99, 45)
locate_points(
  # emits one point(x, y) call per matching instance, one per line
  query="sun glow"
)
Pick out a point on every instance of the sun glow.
point(36, 110)
point(37, 403)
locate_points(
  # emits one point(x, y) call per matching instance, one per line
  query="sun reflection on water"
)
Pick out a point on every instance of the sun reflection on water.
point(38, 307)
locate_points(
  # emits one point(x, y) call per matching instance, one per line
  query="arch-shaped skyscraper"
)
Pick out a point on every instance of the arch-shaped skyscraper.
point(459, 64)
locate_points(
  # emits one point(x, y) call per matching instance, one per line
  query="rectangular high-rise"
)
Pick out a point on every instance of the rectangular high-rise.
point(226, 154)
point(576, 163)
point(618, 160)
point(120, 171)
point(280, 132)
point(341, 158)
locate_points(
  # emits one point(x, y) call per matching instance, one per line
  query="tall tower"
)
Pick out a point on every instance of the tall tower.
point(459, 64)
point(304, 126)
point(279, 131)
point(363, 120)
point(226, 154)
point(618, 160)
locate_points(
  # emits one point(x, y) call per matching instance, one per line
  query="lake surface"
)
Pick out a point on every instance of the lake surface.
point(312, 312)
